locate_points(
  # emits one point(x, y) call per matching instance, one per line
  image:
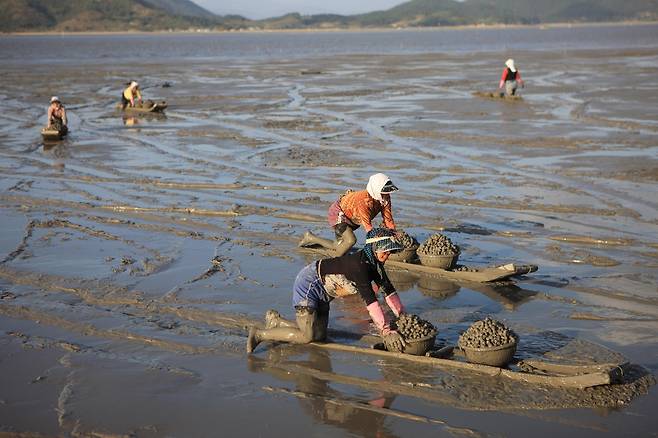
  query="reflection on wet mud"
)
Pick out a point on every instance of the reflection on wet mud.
point(437, 288)
point(316, 395)
point(455, 387)
point(58, 151)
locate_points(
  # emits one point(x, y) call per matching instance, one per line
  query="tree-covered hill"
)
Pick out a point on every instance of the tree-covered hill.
point(107, 15)
point(148, 15)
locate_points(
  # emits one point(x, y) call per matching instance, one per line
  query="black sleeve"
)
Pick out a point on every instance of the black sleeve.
point(386, 285)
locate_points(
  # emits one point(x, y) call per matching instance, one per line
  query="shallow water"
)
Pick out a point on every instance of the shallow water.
point(134, 251)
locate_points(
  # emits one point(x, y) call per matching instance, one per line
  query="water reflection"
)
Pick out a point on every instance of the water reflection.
point(58, 151)
point(401, 280)
point(130, 120)
point(322, 402)
point(134, 120)
point(437, 288)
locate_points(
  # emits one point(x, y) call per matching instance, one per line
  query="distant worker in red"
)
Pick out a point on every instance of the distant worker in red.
point(511, 78)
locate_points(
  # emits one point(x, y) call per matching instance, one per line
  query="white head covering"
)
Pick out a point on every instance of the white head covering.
point(54, 99)
point(375, 184)
point(510, 64)
point(133, 84)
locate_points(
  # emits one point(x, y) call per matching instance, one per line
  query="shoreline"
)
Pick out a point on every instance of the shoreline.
point(541, 26)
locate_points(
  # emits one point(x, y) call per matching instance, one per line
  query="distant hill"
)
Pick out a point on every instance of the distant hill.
point(148, 15)
point(450, 12)
point(425, 13)
point(107, 15)
point(185, 8)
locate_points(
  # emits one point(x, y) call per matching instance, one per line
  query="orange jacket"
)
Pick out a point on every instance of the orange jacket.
point(361, 209)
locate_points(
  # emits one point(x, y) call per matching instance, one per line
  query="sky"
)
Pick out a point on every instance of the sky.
point(256, 9)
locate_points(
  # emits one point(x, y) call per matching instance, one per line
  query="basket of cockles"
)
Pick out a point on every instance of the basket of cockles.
point(489, 342)
point(418, 334)
point(410, 245)
point(438, 252)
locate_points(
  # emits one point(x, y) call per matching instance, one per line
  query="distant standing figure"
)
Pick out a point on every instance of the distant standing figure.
point(129, 94)
point(510, 78)
point(57, 116)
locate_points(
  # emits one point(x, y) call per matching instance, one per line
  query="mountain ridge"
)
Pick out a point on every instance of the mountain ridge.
point(152, 15)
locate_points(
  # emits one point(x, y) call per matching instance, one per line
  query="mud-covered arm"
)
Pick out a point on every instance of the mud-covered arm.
point(64, 119)
point(138, 94)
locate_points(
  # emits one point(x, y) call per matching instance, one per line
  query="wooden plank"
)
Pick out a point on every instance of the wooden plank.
point(567, 369)
point(155, 108)
point(483, 275)
point(578, 381)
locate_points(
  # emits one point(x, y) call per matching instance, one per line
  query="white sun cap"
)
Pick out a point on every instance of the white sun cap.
point(54, 99)
point(510, 64)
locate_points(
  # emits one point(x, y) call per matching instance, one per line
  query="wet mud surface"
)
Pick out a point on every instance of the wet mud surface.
point(134, 252)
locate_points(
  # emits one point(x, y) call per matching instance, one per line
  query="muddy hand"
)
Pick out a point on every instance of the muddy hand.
point(394, 341)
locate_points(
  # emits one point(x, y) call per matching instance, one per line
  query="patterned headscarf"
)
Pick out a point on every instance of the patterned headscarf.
point(380, 240)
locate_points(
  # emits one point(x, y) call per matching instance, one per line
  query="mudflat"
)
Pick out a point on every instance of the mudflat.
point(134, 252)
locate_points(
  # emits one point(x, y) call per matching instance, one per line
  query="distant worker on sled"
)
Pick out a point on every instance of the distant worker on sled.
point(57, 116)
point(129, 94)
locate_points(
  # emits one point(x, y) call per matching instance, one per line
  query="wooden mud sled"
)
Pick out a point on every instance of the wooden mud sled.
point(529, 371)
point(481, 275)
point(145, 107)
point(53, 134)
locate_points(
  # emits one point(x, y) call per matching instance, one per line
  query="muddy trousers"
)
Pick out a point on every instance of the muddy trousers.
point(311, 325)
point(510, 87)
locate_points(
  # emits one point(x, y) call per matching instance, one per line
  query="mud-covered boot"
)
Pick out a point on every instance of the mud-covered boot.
point(272, 318)
point(308, 239)
point(253, 340)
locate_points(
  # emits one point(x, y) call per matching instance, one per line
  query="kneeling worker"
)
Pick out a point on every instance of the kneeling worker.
point(129, 94)
point(323, 280)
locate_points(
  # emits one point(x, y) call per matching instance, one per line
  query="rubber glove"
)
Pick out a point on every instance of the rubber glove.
point(377, 316)
point(393, 301)
point(501, 84)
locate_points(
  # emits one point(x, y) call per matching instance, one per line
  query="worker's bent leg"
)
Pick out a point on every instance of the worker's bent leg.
point(310, 239)
point(273, 319)
point(307, 325)
point(345, 242)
